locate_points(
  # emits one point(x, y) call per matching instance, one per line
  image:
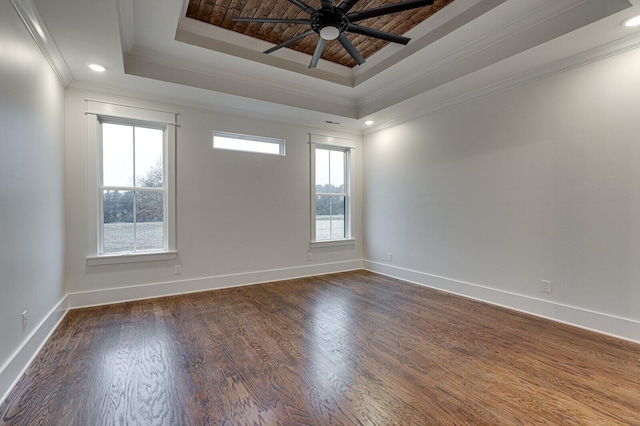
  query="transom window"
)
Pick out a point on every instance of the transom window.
point(248, 143)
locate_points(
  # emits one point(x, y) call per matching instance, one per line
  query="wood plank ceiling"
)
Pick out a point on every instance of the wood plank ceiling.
point(220, 12)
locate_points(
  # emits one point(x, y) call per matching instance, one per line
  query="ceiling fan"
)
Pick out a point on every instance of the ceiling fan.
point(332, 22)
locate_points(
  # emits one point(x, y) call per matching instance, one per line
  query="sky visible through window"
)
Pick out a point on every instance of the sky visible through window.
point(329, 168)
point(118, 153)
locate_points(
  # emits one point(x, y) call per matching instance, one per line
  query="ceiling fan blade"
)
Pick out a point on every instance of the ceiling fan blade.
point(288, 42)
point(327, 4)
point(317, 53)
point(349, 47)
point(273, 20)
point(346, 5)
point(385, 10)
point(377, 34)
point(303, 6)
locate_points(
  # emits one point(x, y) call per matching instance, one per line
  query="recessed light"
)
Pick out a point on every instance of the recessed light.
point(632, 22)
point(368, 122)
point(97, 67)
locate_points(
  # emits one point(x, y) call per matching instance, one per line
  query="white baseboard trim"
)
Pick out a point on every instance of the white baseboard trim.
point(610, 325)
point(18, 362)
point(170, 288)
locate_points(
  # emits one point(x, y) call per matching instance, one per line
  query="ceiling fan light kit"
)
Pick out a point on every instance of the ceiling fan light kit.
point(332, 22)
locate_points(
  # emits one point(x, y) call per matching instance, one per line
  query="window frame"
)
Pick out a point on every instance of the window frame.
point(99, 112)
point(347, 151)
point(263, 139)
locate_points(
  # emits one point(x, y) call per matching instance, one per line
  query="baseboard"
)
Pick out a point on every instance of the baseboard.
point(607, 324)
point(15, 367)
point(611, 325)
point(170, 288)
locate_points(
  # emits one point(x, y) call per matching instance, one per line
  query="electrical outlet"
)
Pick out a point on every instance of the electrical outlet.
point(545, 286)
point(309, 257)
point(390, 257)
point(24, 320)
point(177, 269)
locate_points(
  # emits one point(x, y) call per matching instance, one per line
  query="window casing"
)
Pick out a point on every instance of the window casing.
point(330, 194)
point(132, 203)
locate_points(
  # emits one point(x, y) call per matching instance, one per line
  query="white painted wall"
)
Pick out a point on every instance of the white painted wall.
point(540, 182)
point(238, 214)
point(31, 188)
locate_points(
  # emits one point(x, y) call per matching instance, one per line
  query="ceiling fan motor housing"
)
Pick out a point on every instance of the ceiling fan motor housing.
point(328, 19)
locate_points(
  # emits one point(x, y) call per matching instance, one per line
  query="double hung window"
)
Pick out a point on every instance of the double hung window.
point(331, 203)
point(132, 190)
point(133, 195)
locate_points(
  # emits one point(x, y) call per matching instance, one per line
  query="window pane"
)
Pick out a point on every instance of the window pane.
point(118, 233)
point(330, 217)
point(323, 217)
point(149, 220)
point(322, 170)
point(248, 144)
point(149, 143)
point(117, 155)
point(337, 218)
point(336, 172)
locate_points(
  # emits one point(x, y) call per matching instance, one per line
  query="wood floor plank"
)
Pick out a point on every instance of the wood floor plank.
point(351, 348)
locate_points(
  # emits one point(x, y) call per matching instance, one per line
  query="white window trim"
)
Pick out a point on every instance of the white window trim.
point(97, 110)
point(338, 144)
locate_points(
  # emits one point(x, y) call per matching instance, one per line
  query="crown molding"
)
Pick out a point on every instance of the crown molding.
point(480, 44)
point(345, 127)
point(228, 42)
point(154, 65)
point(596, 54)
point(125, 22)
point(447, 20)
point(38, 30)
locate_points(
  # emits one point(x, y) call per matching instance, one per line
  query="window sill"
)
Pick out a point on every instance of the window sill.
point(333, 243)
point(130, 258)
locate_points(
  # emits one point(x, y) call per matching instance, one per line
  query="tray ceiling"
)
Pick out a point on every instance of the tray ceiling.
point(221, 12)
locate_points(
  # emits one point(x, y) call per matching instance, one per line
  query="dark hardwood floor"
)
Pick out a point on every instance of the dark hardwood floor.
point(350, 348)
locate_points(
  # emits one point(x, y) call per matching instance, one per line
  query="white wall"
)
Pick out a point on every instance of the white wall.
point(241, 217)
point(540, 182)
point(31, 189)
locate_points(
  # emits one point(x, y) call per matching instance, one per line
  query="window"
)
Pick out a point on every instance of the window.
point(132, 190)
point(330, 201)
point(247, 143)
point(133, 200)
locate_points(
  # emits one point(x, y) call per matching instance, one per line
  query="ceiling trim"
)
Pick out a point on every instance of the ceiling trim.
point(125, 23)
point(148, 64)
point(490, 41)
point(477, 45)
point(199, 67)
point(449, 18)
point(437, 26)
point(38, 30)
point(599, 53)
point(84, 87)
point(220, 40)
point(614, 48)
point(495, 46)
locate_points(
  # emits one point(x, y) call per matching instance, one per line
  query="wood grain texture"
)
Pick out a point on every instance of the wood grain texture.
point(220, 13)
point(350, 348)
